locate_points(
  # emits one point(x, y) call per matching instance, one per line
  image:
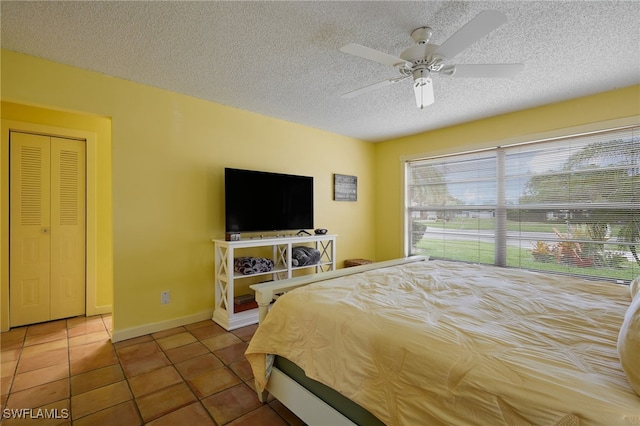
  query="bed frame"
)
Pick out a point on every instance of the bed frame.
point(306, 405)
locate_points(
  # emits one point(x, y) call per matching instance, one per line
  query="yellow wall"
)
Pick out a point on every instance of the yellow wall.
point(168, 152)
point(582, 114)
point(168, 156)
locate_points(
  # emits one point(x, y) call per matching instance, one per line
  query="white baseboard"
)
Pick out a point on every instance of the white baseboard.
point(130, 333)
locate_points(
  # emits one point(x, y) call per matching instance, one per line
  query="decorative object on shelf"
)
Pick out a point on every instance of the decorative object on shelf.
point(356, 262)
point(345, 187)
point(303, 256)
point(252, 265)
point(232, 236)
point(244, 302)
point(320, 231)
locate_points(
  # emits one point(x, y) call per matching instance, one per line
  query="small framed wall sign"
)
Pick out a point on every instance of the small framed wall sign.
point(345, 187)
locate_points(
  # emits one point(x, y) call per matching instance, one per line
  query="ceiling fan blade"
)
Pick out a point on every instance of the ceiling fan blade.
point(373, 86)
point(474, 30)
point(372, 54)
point(487, 70)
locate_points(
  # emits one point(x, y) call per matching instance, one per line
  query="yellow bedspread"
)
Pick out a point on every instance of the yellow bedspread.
point(449, 343)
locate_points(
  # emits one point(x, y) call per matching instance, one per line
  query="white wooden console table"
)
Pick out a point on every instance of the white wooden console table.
point(225, 276)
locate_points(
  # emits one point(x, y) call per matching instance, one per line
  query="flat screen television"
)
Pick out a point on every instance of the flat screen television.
point(257, 201)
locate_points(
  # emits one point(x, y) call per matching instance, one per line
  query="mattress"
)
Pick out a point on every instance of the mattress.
point(451, 343)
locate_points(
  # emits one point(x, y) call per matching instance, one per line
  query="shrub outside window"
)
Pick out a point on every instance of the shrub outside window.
point(567, 205)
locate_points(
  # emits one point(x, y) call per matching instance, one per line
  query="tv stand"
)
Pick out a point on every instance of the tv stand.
point(225, 276)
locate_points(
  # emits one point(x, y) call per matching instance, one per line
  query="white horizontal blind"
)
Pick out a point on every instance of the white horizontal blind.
point(451, 206)
point(568, 205)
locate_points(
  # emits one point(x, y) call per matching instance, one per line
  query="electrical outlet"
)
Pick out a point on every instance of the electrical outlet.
point(165, 297)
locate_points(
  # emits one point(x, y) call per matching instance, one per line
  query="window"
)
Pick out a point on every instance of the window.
point(569, 205)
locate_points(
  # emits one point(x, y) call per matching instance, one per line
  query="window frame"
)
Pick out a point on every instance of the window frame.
point(501, 206)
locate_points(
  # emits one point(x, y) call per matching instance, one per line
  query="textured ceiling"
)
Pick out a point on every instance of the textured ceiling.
point(282, 59)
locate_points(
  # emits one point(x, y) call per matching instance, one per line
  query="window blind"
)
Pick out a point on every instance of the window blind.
point(567, 205)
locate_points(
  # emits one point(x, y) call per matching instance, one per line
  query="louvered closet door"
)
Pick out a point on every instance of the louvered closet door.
point(67, 227)
point(47, 228)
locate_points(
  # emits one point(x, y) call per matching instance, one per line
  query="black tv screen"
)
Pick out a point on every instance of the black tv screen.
point(257, 201)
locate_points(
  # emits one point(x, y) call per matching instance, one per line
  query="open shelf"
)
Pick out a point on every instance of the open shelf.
point(226, 277)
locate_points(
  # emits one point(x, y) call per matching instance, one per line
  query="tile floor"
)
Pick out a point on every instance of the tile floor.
point(69, 371)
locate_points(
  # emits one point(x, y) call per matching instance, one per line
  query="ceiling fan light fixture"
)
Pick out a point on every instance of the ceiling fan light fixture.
point(423, 88)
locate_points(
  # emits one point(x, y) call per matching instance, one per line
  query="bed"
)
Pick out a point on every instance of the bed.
point(417, 341)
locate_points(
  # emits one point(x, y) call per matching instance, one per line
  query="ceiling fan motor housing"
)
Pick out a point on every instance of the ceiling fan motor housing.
point(422, 56)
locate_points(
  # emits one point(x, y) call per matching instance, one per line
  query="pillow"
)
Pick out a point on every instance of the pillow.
point(634, 287)
point(629, 344)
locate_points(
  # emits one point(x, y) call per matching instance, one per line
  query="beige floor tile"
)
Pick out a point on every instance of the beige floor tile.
point(199, 324)
point(13, 334)
point(11, 354)
point(43, 359)
point(131, 342)
point(263, 416)
point(83, 339)
point(47, 327)
point(232, 353)
point(169, 332)
point(123, 414)
point(285, 413)
point(97, 349)
point(86, 328)
point(246, 333)
point(154, 380)
point(213, 381)
point(232, 403)
point(108, 322)
point(13, 339)
point(136, 366)
point(98, 399)
point(176, 340)
point(221, 341)
point(193, 414)
point(96, 378)
point(37, 339)
point(207, 331)
point(29, 351)
point(81, 320)
point(139, 350)
point(183, 353)
point(5, 386)
point(8, 369)
point(39, 395)
point(242, 369)
point(198, 365)
point(41, 376)
point(91, 356)
point(164, 401)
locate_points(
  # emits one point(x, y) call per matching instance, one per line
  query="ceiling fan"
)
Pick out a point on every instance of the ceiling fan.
point(424, 59)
